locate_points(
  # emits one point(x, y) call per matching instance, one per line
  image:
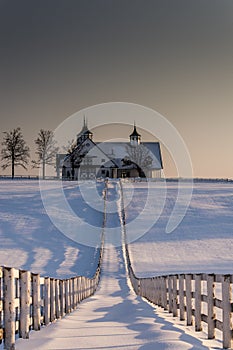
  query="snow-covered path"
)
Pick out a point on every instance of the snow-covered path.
point(114, 318)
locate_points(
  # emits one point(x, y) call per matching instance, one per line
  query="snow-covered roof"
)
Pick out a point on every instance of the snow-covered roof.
point(119, 163)
point(116, 150)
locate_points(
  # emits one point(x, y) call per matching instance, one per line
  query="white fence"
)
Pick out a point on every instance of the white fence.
point(195, 298)
point(28, 301)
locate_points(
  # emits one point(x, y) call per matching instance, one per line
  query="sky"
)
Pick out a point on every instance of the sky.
point(58, 57)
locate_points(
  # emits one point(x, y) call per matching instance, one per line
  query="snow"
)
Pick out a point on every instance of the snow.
point(203, 242)
point(29, 240)
point(115, 318)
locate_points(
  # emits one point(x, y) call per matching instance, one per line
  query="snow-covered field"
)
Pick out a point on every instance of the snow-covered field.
point(203, 242)
point(29, 240)
point(114, 317)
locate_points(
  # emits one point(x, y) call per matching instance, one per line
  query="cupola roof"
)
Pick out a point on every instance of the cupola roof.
point(135, 133)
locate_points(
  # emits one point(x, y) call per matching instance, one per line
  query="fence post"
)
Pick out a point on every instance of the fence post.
point(150, 287)
point(198, 326)
point(79, 288)
point(83, 288)
point(169, 294)
point(92, 286)
point(144, 287)
point(181, 297)
point(147, 289)
point(165, 292)
point(210, 306)
point(67, 298)
point(62, 303)
point(57, 300)
point(88, 287)
point(25, 288)
point(154, 290)
point(97, 277)
point(90, 283)
point(141, 286)
point(9, 308)
point(36, 301)
point(52, 300)
point(71, 293)
point(155, 285)
point(160, 291)
point(226, 298)
point(75, 292)
point(46, 300)
point(174, 299)
point(188, 281)
point(80, 291)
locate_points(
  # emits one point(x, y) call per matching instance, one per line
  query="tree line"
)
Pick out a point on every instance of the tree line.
point(15, 151)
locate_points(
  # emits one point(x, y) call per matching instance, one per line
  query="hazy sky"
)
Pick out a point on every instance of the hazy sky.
point(174, 56)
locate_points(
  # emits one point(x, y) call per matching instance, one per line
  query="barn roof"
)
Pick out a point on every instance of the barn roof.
point(118, 150)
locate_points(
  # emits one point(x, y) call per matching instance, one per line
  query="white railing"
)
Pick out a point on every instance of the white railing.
point(197, 299)
point(28, 301)
point(194, 298)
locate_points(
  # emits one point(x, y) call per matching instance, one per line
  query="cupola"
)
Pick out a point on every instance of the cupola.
point(135, 137)
point(85, 133)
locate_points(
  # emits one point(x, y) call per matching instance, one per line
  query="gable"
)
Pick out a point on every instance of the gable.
point(88, 149)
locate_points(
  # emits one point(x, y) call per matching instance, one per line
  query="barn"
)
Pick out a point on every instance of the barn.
point(90, 160)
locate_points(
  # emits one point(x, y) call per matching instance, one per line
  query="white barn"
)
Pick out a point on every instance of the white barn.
point(90, 160)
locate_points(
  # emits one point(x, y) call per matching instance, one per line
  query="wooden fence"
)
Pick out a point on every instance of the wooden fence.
point(195, 298)
point(28, 301)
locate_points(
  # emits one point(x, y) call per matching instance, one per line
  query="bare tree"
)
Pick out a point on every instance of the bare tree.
point(75, 154)
point(46, 150)
point(15, 152)
point(70, 150)
point(70, 147)
point(140, 155)
point(75, 159)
